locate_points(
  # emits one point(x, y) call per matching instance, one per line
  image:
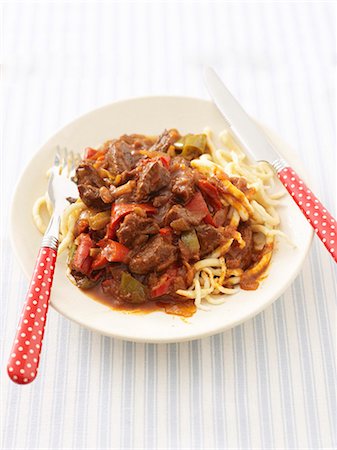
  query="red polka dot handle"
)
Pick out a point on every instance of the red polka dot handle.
point(25, 355)
point(317, 215)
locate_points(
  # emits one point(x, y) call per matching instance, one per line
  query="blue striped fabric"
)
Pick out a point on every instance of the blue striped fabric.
point(267, 384)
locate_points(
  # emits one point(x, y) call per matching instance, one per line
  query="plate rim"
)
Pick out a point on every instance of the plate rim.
point(127, 336)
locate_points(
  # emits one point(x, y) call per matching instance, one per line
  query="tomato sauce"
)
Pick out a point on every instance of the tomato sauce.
point(167, 304)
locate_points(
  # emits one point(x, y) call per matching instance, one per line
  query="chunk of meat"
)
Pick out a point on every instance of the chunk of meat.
point(135, 230)
point(162, 199)
point(180, 219)
point(183, 278)
point(188, 254)
point(183, 187)
point(90, 195)
point(153, 177)
point(157, 255)
point(87, 174)
point(167, 138)
point(89, 183)
point(241, 258)
point(121, 157)
point(81, 225)
point(220, 216)
point(170, 281)
point(84, 281)
point(183, 181)
point(138, 141)
point(209, 238)
point(211, 193)
point(111, 285)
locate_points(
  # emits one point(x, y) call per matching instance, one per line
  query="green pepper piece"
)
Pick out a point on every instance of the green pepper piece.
point(179, 145)
point(71, 252)
point(99, 220)
point(133, 290)
point(190, 239)
point(194, 146)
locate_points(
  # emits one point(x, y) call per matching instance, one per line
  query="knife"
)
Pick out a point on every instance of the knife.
point(256, 143)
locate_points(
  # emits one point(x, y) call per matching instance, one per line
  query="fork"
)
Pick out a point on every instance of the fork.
point(25, 354)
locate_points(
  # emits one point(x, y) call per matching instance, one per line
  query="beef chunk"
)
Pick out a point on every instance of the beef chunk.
point(241, 257)
point(161, 199)
point(167, 138)
point(183, 181)
point(135, 230)
point(153, 177)
point(111, 285)
point(210, 238)
point(89, 183)
point(157, 255)
point(90, 196)
point(180, 219)
point(170, 281)
point(220, 216)
point(183, 188)
point(81, 226)
point(121, 157)
point(183, 279)
point(87, 174)
point(138, 141)
point(84, 281)
point(186, 253)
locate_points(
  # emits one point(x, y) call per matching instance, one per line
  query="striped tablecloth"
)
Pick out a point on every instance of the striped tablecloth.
point(267, 384)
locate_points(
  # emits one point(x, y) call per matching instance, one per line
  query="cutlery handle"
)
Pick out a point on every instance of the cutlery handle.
point(317, 215)
point(25, 355)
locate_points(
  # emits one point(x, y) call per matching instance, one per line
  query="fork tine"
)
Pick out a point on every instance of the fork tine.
point(78, 159)
point(57, 158)
point(71, 162)
point(64, 162)
point(75, 160)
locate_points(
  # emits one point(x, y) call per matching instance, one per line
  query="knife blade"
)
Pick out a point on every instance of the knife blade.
point(244, 129)
point(252, 139)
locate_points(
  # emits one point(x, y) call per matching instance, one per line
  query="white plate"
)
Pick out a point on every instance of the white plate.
point(149, 115)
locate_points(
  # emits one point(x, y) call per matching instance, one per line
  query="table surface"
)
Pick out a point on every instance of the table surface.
point(268, 383)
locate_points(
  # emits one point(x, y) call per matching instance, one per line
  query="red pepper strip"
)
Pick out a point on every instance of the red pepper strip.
point(99, 262)
point(82, 259)
point(94, 155)
point(113, 251)
point(211, 192)
point(89, 153)
point(119, 210)
point(198, 207)
point(165, 159)
point(164, 283)
point(209, 219)
point(165, 231)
